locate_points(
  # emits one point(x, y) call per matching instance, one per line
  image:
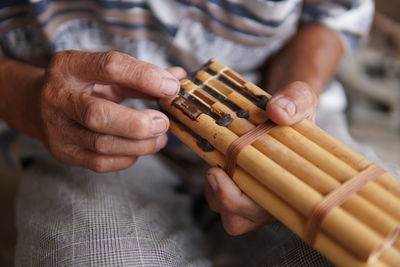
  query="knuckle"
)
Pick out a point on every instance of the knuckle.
point(99, 164)
point(104, 144)
point(92, 114)
point(89, 113)
point(141, 126)
point(110, 63)
point(59, 60)
point(146, 74)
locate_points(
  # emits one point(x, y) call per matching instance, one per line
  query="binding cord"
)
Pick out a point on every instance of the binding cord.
point(337, 197)
point(248, 138)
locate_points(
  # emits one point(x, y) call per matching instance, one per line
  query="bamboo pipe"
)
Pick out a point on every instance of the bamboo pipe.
point(219, 88)
point(278, 208)
point(331, 144)
point(371, 191)
point(320, 181)
point(334, 167)
point(311, 131)
point(279, 153)
point(312, 152)
point(357, 237)
point(346, 154)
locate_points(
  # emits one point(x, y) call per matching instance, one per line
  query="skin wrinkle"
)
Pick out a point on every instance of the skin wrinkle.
point(89, 112)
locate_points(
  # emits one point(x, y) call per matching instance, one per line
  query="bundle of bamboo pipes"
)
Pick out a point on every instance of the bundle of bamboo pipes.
point(343, 205)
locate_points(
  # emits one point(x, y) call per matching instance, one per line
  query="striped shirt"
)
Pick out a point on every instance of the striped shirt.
point(240, 33)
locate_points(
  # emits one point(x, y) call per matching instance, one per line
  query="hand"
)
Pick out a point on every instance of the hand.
point(240, 214)
point(292, 104)
point(82, 125)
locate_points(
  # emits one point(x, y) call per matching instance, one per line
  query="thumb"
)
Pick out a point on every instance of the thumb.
point(292, 104)
point(177, 72)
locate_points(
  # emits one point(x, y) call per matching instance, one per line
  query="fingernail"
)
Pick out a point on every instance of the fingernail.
point(159, 126)
point(212, 181)
point(286, 105)
point(161, 142)
point(169, 87)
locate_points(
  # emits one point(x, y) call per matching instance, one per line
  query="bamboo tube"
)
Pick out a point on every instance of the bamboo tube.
point(312, 132)
point(307, 172)
point(219, 88)
point(356, 237)
point(334, 167)
point(323, 183)
point(315, 154)
point(278, 208)
point(346, 154)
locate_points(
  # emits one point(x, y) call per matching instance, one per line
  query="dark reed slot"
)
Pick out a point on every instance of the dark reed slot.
point(201, 142)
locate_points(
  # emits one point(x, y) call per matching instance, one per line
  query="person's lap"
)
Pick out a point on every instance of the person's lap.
point(68, 216)
point(74, 217)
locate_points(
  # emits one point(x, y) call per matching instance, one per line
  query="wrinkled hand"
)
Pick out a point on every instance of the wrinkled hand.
point(240, 214)
point(81, 121)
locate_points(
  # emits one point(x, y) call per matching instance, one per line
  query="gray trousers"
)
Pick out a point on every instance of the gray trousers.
point(68, 216)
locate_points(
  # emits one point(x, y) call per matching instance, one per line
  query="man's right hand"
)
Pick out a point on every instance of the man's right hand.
point(80, 121)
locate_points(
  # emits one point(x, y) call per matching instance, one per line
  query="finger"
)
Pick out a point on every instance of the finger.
point(109, 92)
point(237, 225)
point(178, 72)
point(228, 198)
point(114, 67)
point(117, 93)
point(233, 223)
point(211, 198)
point(77, 156)
point(113, 145)
point(292, 104)
point(106, 117)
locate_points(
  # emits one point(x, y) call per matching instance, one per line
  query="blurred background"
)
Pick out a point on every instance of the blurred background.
point(372, 79)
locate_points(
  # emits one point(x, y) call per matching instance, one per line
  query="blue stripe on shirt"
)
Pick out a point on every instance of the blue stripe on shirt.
point(170, 30)
point(40, 7)
point(136, 26)
point(231, 8)
point(241, 11)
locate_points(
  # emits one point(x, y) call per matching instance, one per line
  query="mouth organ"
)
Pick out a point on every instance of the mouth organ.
point(343, 205)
